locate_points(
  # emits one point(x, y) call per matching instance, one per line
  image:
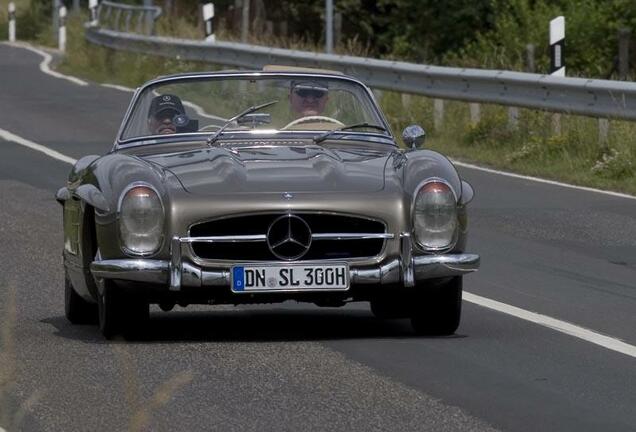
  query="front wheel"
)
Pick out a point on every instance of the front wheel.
point(76, 309)
point(438, 311)
point(120, 314)
point(111, 310)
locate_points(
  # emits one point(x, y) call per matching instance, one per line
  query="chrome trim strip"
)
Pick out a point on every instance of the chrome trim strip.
point(434, 266)
point(186, 274)
point(175, 264)
point(280, 213)
point(225, 239)
point(406, 250)
point(388, 273)
point(350, 236)
point(263, 237)
point(138, 270)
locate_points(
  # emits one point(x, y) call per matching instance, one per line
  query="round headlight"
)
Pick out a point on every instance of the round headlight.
point(435, 216)
point(141, 219)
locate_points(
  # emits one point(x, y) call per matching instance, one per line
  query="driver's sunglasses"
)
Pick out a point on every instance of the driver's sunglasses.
point(166, 115)
point(305, 93)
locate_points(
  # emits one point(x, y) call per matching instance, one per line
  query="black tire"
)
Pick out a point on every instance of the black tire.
point(121, 314)
point(385, 307)
point(111, 310)
point(137, 315)
point(76, 309)
point(437, 311)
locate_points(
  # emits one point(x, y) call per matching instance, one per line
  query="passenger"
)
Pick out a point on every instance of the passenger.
point(162, 113)
point(308, 98)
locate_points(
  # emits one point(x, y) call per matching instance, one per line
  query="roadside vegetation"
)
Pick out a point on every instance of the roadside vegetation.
point(482, 38)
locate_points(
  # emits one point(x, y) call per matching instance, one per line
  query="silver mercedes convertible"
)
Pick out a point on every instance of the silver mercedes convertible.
point(261, 187)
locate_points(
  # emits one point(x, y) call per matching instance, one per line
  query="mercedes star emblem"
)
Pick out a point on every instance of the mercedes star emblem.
point(289, 237)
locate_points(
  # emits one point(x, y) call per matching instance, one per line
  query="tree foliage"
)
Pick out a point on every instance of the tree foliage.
point(469, 33)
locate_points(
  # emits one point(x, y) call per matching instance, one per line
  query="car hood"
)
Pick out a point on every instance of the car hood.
point(306, 168)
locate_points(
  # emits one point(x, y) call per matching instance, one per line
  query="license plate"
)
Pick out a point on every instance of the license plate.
point(290, 277)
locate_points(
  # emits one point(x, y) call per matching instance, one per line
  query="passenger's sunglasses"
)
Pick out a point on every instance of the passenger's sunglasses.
point(305, 93)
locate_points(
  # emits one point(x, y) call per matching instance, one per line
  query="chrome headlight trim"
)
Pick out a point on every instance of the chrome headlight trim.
point(122, 240)
point(415, 235)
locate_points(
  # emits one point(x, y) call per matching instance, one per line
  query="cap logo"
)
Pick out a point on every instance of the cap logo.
point(166, 98)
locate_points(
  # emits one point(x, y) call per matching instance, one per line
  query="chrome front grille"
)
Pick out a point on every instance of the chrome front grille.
point(245, 237)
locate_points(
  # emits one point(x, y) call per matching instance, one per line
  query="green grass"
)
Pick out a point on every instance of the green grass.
point(573, 156)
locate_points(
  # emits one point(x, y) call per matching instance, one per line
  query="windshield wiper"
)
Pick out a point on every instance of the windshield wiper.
point(324, 136)
point(212, 139)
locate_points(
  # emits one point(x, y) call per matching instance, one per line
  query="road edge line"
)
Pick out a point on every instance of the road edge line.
point(118, 87)
point(541, 180)
point(8, 136)
point(44, 64)
point(565, 327)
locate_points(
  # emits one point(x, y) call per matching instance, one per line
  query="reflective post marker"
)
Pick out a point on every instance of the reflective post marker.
point(557, 60)
point(11, 22)
point(557, 46)
point(208, 15)
point(62, 29)
point(92, 6)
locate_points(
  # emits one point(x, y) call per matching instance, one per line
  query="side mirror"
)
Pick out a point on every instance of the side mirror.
point(413, 136)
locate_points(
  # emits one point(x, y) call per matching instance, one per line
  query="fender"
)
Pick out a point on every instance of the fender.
point(468, 193)
point(80, 168)
point(93, 196)
point(62, 195)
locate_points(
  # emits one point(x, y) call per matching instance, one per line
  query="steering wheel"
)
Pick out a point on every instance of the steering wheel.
point(209, 127)
point(312, 119)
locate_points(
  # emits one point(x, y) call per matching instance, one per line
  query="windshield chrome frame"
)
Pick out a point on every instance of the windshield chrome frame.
point(121, 143)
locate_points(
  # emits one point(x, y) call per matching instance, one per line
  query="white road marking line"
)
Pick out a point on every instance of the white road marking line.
point(44, 65)
point(554, 324)
point(540, 180)
point(8, 136)
point(118, 87)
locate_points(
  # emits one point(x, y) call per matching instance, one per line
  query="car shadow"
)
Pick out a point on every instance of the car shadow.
point(251, 326)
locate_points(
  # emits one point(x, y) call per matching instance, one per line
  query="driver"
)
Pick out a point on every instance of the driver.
point(162, 112)
point(308, 98)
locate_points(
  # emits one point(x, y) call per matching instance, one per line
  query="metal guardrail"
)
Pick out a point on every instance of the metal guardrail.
point(110, 14)
point(588, 97)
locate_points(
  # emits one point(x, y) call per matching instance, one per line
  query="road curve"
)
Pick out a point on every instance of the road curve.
point(564, 253)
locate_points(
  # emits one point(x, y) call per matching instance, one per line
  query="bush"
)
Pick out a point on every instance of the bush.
point(591, 36)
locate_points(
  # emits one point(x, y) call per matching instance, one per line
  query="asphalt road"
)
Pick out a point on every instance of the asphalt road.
point(564, 253)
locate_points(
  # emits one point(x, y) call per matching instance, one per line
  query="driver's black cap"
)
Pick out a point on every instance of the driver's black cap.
point(164, 103)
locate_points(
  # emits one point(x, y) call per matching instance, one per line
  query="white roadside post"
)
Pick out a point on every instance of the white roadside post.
point(557, 60)
point(208, 15)
point(62, 29)
point(329, 26)
point(11, 22)
point(475, 113)
point(92, 6)
point(438, 114)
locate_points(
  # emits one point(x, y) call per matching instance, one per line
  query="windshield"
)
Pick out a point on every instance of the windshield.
point(206, 104)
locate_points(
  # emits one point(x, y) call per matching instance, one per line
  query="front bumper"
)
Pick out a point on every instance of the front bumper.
point(177, 273)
